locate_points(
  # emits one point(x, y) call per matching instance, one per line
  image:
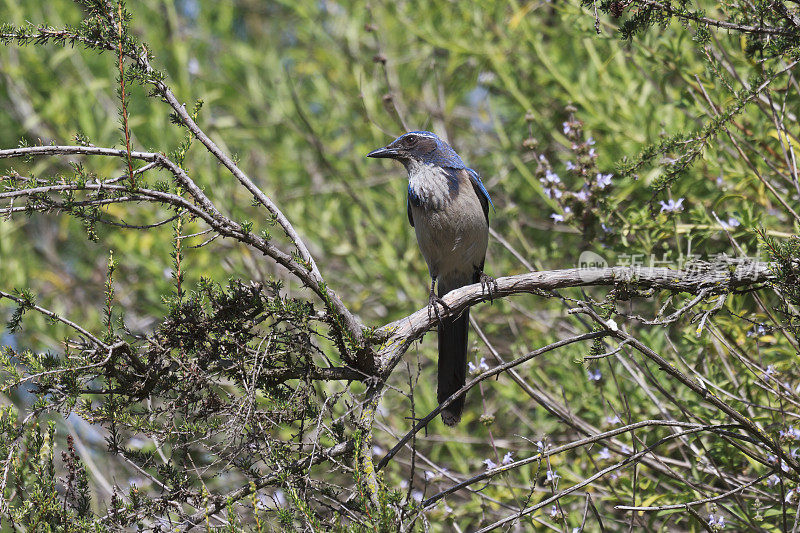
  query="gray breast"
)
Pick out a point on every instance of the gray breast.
point(449, 222)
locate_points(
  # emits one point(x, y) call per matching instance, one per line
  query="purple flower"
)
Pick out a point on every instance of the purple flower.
point(671, 206)
point(489, 464)
point(604, 454)
point(604, 180)
point(508, 458)
point(594, 375)
point(582, 196)
point(553, 193)
point(566, 128)
point(557, 218)
point(569, 165)
point(551, 177)
point(480, 367)
point(731, 223)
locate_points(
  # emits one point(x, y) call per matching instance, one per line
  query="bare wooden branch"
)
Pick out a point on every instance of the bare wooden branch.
point(719, 277)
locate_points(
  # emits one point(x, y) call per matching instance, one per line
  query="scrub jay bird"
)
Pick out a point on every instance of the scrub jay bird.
point(448, 207)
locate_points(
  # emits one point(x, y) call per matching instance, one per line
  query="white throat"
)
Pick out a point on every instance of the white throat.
point(429, 183)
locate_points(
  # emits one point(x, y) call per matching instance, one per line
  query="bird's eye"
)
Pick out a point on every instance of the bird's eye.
point(410, 141)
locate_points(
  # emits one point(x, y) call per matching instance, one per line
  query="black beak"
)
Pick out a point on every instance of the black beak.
point(385, 152)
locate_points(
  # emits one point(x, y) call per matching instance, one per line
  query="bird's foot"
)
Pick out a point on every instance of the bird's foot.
point(434, 301)
point(488, 285)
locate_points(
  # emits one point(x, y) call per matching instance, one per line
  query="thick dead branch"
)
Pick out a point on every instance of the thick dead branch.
point(721, 276)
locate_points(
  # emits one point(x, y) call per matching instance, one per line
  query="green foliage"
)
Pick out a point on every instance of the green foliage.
point(218, 397)
point(41, 500)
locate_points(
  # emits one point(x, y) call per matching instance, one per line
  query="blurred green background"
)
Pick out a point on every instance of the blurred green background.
point(300, 91)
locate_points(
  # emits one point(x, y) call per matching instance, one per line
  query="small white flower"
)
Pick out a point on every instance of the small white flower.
point(403, 484)
point(603, 180)
point(542, 158)
point(576, 530)
point(594, 375)
point(716, 522)
point(553, 511)
point(590, 141)
point(611, 420)
point(429, 475)
point(612, 324)
point(508, 458)
point(566, 129)
point(489, 464)
point(731, 223)
point(551, 476)
point(480, 367)
point(604, 454)
point(553, 193)
point(540, 445)
point(569, 165)
point(551, 177)
point(773, 480)
point(582, 196)
point(557, 218)
point(416, 495)
point(790, 496)
point(671, 206)
point(592, 153)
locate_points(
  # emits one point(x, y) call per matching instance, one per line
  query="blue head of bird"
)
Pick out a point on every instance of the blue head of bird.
point(420, 147)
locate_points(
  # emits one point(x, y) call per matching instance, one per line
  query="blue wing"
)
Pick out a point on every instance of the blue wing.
point(480, 190)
